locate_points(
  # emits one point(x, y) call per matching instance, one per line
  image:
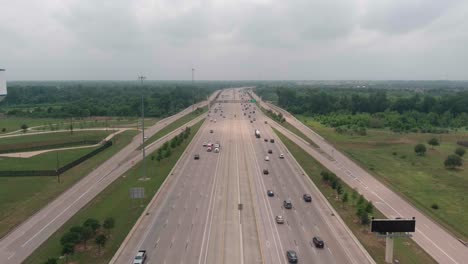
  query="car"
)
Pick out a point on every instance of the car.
point(265, 171)
point(270, 193)
point(267, 158)
point(254, 119)
point(270, 151)
point(196, 157)
point(281, 156)
point(318, 242)
point(140, 257)
point(251, 121)
point(208, 149)
point(266, 139)
point(216, 150)
point(272, 141)
point(292, 256)
point(266, 122)
point(211, 130)
point(205, 144)
point(287, 204)
point(307, 198)
point(279, 219)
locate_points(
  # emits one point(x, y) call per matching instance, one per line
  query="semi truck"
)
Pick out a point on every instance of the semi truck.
point(257, 133)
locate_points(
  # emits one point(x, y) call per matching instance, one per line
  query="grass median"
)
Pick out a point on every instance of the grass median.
point(23, 196)
point(406, 250)
point(115, 202)
point(176, 124)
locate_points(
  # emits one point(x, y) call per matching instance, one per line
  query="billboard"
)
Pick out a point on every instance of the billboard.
point(393, 225)
point(3, 87)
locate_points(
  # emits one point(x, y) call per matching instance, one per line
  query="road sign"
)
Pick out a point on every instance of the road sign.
point(137, 193)
point(393, 225)
point(253, 100)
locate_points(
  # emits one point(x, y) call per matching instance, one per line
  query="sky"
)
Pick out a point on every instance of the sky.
point(234, 39)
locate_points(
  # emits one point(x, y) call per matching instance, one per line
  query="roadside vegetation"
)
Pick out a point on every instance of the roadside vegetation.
point(114, 202)
point(411, 135)
point(22, 196)
point(354, 210)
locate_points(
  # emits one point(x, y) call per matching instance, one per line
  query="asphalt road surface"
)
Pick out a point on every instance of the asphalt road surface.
point(434, 239)
point(216, 209)
point(25, 238)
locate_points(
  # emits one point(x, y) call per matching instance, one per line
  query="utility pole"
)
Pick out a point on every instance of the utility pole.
point(142, 78)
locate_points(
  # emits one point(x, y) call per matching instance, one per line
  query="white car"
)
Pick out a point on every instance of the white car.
point(267, 158)
point(205, 144)
point(216, 150)
point(281, 156)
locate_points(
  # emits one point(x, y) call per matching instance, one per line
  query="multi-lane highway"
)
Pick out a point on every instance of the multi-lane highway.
point(25, 238)
point(216, 209)
point(434, 239)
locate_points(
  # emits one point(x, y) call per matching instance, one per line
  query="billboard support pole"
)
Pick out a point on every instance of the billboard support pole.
point(389, 248)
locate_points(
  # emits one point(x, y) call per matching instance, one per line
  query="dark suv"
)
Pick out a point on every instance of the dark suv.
point(270, 151)
point(196, 156)
point(318, 242)
point(307, 198)
point(265, 171)
point(287, 204)
point(272, 141)
point(270, 193)
point(292, 256)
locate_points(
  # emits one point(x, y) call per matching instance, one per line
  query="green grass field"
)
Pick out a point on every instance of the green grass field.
point(421, 180)
point(42, 141)
point(176, 124)
point(14, 123)
point(22, 196)
point(406, 251)
point(115, 202)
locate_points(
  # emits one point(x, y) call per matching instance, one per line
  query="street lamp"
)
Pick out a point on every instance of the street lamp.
point(142, 78)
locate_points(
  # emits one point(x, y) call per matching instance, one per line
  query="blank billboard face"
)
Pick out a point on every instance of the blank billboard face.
point(393, 225)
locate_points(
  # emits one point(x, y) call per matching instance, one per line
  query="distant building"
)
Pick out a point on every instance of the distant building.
point(3, 86)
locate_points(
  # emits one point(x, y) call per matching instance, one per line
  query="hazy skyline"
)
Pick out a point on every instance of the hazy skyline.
point(238, 39)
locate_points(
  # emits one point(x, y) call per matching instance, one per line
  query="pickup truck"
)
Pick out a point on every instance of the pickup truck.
point(140, 257)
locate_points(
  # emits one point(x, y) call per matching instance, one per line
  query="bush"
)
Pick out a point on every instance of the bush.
point(420, 149)
point(433, 142)
point(70, 238)
point(460, 151)
point(435, 206)
point(453, 161)
point(92, 223)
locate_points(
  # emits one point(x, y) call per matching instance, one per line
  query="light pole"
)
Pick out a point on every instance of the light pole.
point(193, 91)
point(142, 78)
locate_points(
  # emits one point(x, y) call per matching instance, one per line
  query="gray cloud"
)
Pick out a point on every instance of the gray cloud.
point(234, 39)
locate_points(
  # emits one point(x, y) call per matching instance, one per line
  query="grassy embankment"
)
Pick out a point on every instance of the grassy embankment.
point(423, 180)
point(22, 196)
point(114, 202)
point(406, 250)
point(176, 124)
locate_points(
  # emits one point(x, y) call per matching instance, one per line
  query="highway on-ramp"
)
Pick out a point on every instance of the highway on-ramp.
point(216, 209)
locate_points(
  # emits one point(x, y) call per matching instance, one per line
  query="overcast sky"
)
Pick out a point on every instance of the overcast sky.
point(234, 39)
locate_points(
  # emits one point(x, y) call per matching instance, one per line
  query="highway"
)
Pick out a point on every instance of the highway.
point(216, 209)
point(26, 237)
point(434, 239)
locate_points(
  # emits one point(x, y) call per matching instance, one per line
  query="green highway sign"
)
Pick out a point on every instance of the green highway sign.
point(253, 101)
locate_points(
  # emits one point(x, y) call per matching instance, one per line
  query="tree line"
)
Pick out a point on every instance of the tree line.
point(70, 99)
point(375, 108)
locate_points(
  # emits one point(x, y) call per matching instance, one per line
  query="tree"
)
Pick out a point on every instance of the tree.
point(460, 151)
point(108, 224)
point(68, 249)
point(453, 161)
point(369, 207)
point(167, 153)
point(339, 189)
point(76, 229)
point(174, 142)
point(70, 238)
point(433, 142)
point(344, 198)
point(360, 200)
point(364, 218)
point(51, 261)
point(86, 234)
point(354, 195)
point(101, 241)
point(325, 176)
point(92, 223)
point(420, 149)
point(24, 127)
